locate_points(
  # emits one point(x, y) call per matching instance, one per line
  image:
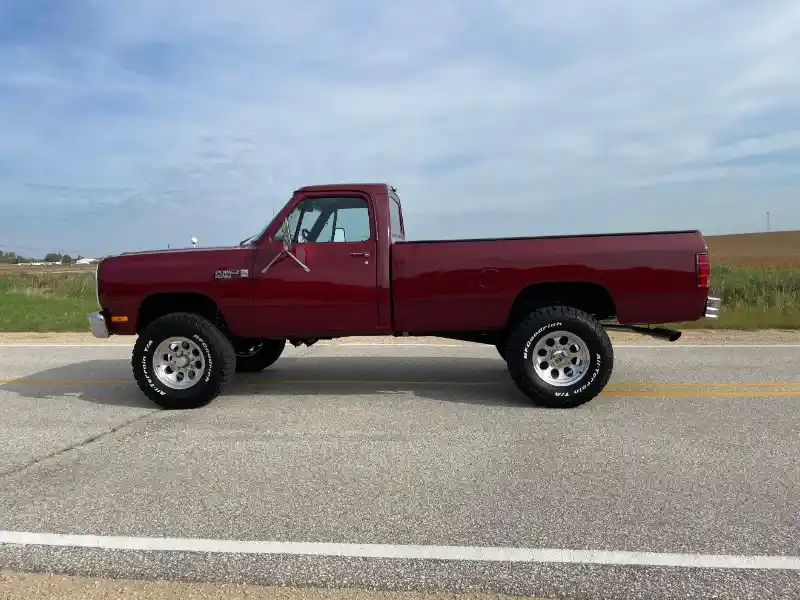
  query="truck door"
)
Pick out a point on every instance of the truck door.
point(331, 287)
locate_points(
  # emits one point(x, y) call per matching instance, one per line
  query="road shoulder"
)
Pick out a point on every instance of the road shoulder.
point(690, 336)
point(32, 586)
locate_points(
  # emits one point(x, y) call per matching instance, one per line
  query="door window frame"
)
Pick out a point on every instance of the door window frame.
point(274, 228)
point(396, 235)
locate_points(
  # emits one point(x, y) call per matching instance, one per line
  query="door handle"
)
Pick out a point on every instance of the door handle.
point(365, 254)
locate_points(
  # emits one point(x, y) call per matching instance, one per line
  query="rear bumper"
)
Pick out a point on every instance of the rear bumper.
point(712, 307)
point(98, 325)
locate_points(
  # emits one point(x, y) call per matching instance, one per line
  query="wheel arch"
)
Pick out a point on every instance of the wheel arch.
point(162, 303)
point(589, 297)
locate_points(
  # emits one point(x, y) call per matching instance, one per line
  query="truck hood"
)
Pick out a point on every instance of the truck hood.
point(218, 257)
point(174, 251)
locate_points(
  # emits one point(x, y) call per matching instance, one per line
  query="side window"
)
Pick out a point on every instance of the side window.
point(395, 222)
point(321, 220)
point(295, 218)
point(301, 218)
point(350, 221)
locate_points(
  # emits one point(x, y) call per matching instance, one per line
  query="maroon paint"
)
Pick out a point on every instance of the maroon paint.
point(460, 285)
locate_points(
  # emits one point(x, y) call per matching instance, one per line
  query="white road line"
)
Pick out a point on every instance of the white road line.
point(400, 344)
point(420, 344)
point(644, 346)
point(66, 345)
point(396, 551)
point(676, 346)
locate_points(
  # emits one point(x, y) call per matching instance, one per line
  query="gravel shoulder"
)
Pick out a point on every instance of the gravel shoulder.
point(690, 336)
point(32, 586)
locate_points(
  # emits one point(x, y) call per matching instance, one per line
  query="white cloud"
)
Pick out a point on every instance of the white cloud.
point(600, 108)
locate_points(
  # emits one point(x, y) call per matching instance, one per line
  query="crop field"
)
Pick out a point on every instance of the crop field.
point(756, 275)
point(16, 269)
point(777, 249)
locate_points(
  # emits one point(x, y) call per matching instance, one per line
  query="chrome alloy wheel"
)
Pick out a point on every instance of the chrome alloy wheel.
point(560, 358)
point(178, 363)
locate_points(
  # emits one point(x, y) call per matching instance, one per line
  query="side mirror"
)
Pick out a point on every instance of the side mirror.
point(285, 235)
point(339, 235)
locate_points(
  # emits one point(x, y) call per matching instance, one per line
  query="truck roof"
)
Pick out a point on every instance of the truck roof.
point(377, 187)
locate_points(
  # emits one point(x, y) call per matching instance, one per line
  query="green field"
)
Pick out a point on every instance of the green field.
point(752, 299)
point(46, 301)
point(765, 298)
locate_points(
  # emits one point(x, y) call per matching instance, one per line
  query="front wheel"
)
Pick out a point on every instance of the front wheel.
point(182, 360)
point(257, 355)
point(560, 357)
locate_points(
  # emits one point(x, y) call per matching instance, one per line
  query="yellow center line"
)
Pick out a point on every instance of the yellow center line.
point(644, 389)
point(733, 384)
point(699, 393)
point(628, 385)
point(65, 381)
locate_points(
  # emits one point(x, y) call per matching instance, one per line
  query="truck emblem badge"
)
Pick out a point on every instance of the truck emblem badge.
point(231, 273)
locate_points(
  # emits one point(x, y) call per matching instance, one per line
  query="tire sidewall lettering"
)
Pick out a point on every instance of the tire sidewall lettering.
point(598, 359)
point(147, 355)
point(147, 369)
point(585, 384)
point(209, 361)
point(536, 334)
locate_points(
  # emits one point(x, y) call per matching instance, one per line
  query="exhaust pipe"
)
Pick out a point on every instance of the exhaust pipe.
point(661, 333)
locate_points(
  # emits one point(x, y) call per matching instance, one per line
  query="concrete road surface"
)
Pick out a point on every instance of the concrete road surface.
point(411, 467)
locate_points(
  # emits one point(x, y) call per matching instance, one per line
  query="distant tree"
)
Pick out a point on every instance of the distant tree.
point(66, 259)
point(52, 257)
point(11, 258)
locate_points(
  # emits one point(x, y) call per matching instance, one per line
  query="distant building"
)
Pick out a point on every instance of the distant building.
point(85, 261)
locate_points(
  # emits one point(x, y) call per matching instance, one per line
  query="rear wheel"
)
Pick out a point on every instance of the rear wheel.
point(182, 360)
point(560, 357)
point(257, 355)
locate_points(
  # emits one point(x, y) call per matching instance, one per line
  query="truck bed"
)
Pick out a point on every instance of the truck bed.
point(553, 237)
point(462, 284)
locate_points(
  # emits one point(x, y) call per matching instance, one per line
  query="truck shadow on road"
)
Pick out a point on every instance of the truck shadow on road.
point(478, 381)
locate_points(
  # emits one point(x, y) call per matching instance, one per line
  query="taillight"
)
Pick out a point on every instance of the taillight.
point(703, 269)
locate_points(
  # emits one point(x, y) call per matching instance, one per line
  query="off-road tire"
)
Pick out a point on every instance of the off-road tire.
point(270, 351)
point(217, 350)
point(537, 324)
point(501, 343)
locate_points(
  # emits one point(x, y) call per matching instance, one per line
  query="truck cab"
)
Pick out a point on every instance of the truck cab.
point(323, 264)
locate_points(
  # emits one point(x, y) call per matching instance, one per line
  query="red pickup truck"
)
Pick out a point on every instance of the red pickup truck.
point(334, 262)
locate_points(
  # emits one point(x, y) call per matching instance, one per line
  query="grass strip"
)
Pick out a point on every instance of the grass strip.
point(762, 298)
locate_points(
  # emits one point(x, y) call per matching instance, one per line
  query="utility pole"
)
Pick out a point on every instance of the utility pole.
point(768, 228)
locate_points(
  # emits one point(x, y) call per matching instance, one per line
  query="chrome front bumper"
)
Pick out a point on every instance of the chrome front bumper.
point(712, 307)
point(98, 326)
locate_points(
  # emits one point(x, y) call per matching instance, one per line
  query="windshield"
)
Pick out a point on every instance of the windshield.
point(255, 236)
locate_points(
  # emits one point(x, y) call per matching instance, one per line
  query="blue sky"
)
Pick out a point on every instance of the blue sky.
point(133, 125)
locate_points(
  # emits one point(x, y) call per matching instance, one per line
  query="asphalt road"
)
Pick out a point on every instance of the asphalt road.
point(692, 451)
